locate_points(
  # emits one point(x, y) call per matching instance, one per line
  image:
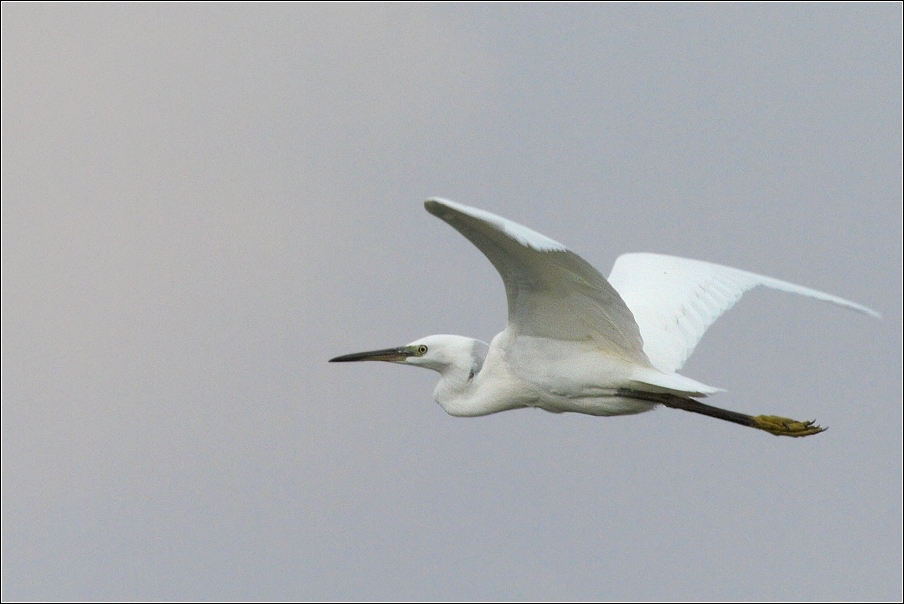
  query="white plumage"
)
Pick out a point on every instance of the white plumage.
point(577, 342)
point(675, 300)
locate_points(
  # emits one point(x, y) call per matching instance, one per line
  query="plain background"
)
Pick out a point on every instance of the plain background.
point(202, 204)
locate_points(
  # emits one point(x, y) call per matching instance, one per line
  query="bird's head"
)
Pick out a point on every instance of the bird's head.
point(439, 352)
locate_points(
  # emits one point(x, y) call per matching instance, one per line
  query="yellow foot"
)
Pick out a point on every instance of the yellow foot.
point(782, 426)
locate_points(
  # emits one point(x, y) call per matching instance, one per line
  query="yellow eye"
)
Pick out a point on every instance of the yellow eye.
point(422, 350)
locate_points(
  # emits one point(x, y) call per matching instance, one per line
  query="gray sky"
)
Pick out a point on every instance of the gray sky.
point(202, 204)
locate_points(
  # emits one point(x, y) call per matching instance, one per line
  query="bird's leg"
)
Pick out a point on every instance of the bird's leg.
point(774, 424)
point(780, 426)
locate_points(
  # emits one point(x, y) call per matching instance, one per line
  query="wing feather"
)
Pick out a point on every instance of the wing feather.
point(552, 292)
point(675, 300)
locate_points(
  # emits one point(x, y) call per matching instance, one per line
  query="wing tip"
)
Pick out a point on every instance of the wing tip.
point(447, 210)
point(435, 204)
point(869, 311)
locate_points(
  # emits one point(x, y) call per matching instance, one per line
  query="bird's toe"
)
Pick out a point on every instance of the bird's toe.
point(783, 426)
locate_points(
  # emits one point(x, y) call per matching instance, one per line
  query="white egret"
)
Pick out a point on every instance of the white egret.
point(577, 342)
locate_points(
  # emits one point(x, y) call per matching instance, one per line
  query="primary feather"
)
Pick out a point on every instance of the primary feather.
point(552, 292)
point(675, 300)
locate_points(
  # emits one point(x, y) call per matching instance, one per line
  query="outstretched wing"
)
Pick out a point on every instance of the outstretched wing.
point(675, 300)
point(552, 292)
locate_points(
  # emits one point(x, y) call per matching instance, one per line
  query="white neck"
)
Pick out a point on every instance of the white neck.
point(460, 363)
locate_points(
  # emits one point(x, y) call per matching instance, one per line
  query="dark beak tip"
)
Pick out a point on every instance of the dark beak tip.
point(341, 359)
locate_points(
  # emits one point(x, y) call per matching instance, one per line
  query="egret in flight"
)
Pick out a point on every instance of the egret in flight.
point(578, 342)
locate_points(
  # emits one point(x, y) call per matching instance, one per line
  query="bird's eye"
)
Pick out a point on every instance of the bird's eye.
point(422, 349)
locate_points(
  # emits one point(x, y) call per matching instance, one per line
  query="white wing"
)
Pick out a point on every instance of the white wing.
point(675, 300)
point(552, 292)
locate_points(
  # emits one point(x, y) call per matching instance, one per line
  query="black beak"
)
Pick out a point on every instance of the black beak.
point(389, 354)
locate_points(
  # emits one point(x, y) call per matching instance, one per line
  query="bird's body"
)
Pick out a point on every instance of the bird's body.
point(526, 372)
point(576, 342)
point(530, 371)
